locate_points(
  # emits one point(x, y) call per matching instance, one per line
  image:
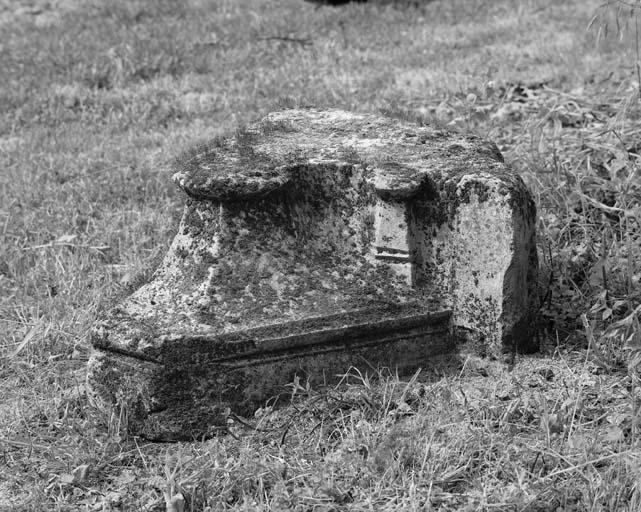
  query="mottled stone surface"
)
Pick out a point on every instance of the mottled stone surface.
point(312, 241)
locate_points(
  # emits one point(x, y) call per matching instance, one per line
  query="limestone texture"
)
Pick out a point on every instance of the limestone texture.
point(313, 241)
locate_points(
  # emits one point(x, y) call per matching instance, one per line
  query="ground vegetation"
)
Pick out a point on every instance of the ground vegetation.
point(97, 98)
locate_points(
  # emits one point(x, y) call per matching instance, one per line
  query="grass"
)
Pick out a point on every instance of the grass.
point(97, 98)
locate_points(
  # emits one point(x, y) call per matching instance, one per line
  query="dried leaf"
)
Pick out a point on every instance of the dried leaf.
point(65, 239)
point(613, 434)
point(125, 478)
point(28, 337)
point(81, 473)
point(579, 442)
point(65, 479)
point(175, 504)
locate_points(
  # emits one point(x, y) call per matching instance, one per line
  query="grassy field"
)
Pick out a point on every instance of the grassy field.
point(96, 98)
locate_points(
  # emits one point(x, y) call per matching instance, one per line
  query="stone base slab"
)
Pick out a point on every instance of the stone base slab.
point(313, 241)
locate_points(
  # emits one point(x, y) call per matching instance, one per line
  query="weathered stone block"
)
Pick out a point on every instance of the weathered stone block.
point(310, 242)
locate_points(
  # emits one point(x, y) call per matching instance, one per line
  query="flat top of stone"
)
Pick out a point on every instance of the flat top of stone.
point(400, 156)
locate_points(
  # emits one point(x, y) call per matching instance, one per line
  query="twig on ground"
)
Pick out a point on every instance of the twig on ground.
point(590, 462)
point(303, 41)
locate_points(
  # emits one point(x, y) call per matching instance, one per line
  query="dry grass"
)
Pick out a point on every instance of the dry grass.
point(98, 97)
